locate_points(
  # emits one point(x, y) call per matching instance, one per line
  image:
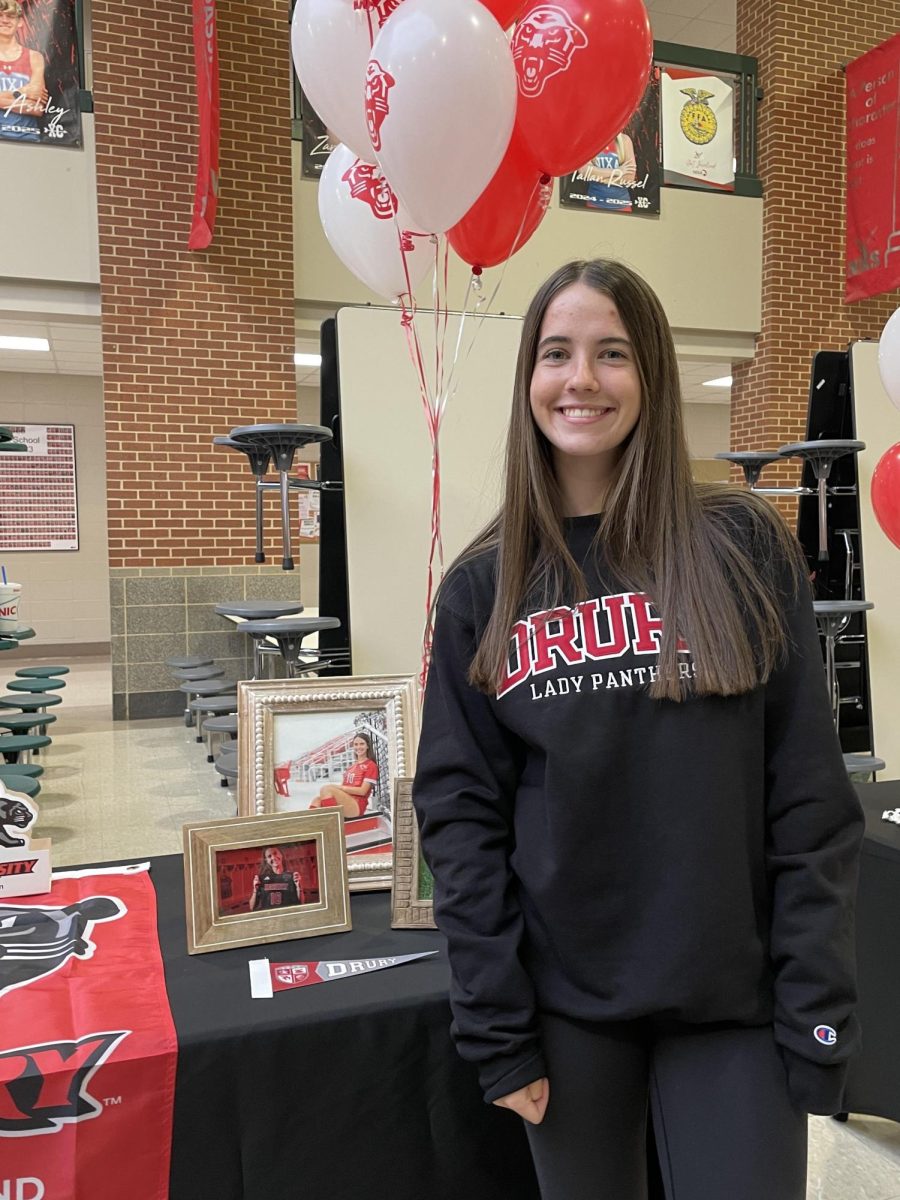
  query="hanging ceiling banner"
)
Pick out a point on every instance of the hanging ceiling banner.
point(39, 73)
point(698, 130)
point(206, 60)
point(873, 172)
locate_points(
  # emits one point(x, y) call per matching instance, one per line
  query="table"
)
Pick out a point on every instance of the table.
point(873, 1086)
point(344, 1091)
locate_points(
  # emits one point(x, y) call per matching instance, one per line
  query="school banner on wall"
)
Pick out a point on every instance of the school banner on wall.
point(39, 73)
point(206, 187)
point(697, 130)
point(873, 172)
point(624, 175)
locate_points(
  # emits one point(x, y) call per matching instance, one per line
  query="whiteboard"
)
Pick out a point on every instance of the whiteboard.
point(387, 468)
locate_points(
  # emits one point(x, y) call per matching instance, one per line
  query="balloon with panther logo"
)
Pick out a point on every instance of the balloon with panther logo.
point(582, 67)
point(367, 227)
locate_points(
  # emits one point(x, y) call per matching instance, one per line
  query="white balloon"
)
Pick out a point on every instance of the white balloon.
point(440, 103)
point(889, 358)
point(330, 46)
point(364, 224)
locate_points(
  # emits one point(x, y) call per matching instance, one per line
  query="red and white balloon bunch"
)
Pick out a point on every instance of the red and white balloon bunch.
point(447, 124)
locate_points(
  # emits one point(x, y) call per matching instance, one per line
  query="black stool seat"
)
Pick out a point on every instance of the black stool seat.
point(862, 764)
point(192, 660)
point(41, 672)
point(825, 608)
point(259, 610)
point(260, 456)
point(29, 702)
point(282, 441)
point(821, 454)
point(750, 461)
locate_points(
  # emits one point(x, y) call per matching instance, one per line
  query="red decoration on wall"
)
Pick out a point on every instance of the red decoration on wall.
point(206, 60)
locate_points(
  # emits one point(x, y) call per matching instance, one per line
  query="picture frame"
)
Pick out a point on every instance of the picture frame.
point(412, 891)
point(238, 893)
point(303, 742)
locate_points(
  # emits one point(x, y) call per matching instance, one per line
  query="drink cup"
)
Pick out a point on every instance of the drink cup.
point(9, 606)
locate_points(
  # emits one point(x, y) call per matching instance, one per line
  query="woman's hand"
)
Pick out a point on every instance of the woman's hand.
point(530, 1102)
point(296, 879)
point(256, 883)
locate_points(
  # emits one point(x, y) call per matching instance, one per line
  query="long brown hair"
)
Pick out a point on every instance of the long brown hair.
point(709, 556)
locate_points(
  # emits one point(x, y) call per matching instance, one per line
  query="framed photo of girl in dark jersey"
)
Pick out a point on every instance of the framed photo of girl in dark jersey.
point(324, 744)
point(265, 879)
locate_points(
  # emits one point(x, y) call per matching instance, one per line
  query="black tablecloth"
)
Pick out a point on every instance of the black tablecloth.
point(343, 1091)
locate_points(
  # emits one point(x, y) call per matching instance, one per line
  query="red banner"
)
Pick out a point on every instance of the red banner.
point(873, 172)
point(87, 1044)
point(206, 59)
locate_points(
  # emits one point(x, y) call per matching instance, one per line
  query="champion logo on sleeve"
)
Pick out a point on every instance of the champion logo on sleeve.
point(825, 1034)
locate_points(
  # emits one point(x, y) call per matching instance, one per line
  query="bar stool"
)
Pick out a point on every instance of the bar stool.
point(821, 456)
point(25, 784)
point(25, 722)
point(196, 688)
point(32, 770)
point(15, 744)
point(36, 686)
point(30, 703)
point(257, 610)
point(260, 458)
point(227, 766)
point(289, 633)
point(751, 462)
point(187, 673)
point(226, 725)
point(191, 660)
point(282, 442)
point(863, 765)
point(41, 672)
point(214, 706)
point(833, 617)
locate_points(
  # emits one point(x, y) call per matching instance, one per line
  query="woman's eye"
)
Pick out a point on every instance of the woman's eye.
point(554, 355)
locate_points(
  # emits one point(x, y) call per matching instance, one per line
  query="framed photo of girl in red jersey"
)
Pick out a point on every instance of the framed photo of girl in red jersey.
point(318, 745)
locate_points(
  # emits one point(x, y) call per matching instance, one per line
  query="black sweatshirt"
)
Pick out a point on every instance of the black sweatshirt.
point(602, 855)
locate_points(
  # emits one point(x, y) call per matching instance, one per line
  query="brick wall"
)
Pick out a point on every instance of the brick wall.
point(801, 49)
point(193, 343)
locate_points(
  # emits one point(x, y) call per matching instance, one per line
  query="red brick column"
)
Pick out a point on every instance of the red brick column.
point(801, 49)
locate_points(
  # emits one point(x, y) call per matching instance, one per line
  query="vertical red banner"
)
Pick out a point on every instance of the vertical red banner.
point(206, 59)
point(873, 172)
point(88, 1048)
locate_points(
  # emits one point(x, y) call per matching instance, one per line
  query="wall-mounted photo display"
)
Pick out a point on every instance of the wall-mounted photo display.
point(264, 879)
point(412, 892)
point(322, 744)
point(697, 129)
point(39, 72)
point(39, 489)
point(624, 175)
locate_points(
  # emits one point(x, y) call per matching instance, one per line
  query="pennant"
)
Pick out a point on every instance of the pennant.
point(267, 978)
point(206, 61)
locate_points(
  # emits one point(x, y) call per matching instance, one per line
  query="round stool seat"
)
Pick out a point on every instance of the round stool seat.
point(188, 673)
point(22, 722)
point(258, 610)
point(192, 660)
point(6, 644)
point(260, 456)
point(289, 632)
point(36, 685)
point(216, 704)
point(750, 461)
point(820, 455)
point(208, 687)
point(41, 672)
point(227, 767)
point(281, 441)
point(32, 770)
point(28, 702)
point(828, 608)
point(21, 783)
point(862, 764)
point(228, 723)
point(14, 742)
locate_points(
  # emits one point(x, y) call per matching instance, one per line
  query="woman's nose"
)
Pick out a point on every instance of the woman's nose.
point(583, 376)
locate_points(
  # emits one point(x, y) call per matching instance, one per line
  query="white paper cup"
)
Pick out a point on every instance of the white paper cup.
point(9, 606)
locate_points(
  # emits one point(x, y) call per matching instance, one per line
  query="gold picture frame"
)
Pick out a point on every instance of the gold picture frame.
point(412, 892)
point(297, 745)
point(235, 896)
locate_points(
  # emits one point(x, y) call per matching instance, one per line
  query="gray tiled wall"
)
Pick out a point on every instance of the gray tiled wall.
point(158, 613)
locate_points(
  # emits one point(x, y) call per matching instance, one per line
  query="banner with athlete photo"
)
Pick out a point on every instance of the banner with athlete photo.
point(697, 130)
point(87, 1043)
point(624, 176)
point(873, 172)
point(39, 73)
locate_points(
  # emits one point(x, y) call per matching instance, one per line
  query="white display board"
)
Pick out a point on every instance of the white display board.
point(878, 425)
point(387, 468)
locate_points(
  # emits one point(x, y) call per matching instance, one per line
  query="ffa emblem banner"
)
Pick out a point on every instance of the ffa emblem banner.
point(87, 1043)
point(698, 130)
point(873, 172)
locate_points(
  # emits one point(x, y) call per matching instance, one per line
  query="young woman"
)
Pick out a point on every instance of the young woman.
point(23, 95)
point(630, 791)
point(355, 789)
point(273, 886)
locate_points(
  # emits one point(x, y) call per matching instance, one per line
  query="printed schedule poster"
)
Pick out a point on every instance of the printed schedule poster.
point(38, 494)
point(39, 73)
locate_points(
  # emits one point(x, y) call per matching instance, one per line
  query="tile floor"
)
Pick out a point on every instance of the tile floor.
point(116, 790)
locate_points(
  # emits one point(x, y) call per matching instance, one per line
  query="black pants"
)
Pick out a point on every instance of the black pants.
point(725, 1128)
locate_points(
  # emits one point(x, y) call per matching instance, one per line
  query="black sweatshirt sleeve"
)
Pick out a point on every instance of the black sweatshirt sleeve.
point(815, 826)
point(467, 772)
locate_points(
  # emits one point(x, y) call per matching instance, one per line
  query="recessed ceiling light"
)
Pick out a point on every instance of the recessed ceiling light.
point(24, 343)
point(725, 381)
point(308, 360)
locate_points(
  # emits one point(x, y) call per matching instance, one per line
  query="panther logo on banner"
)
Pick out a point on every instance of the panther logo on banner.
point(366, 183)
point(378, 84)
point(36, 941)
point(542, 45)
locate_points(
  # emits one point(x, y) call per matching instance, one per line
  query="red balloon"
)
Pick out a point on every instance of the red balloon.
point(505, 11)
point(886, 493)
point(506, 213)
point(582, 67)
